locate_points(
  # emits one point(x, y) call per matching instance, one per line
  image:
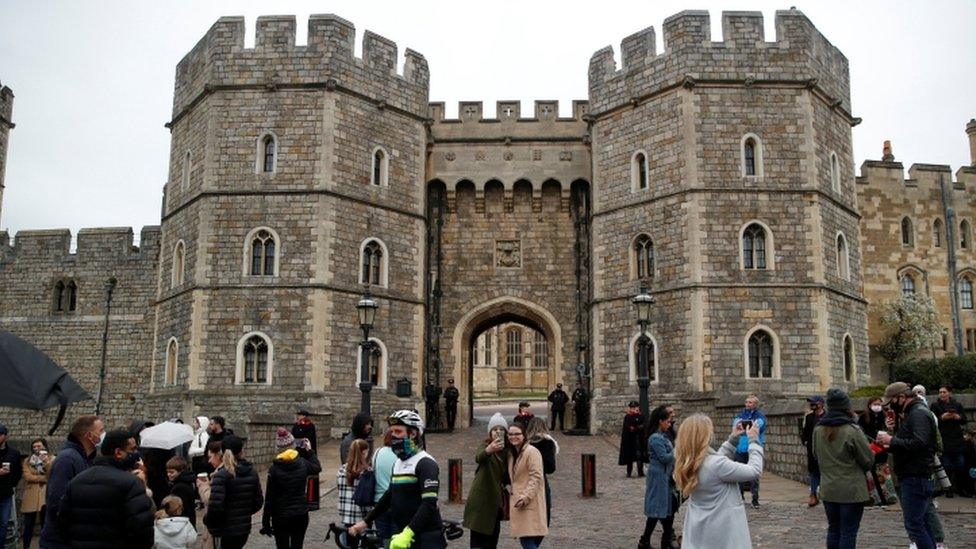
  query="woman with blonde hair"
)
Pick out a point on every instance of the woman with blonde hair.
point(716, 517)
point(347, 478)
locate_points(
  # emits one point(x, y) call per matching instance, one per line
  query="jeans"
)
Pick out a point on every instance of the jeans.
point(6, 507)
point(814, 483)
point(289, 532)
point(752, 486)
point(916, 496)
point(843, 521)
point(935, 525)
point(531, 542)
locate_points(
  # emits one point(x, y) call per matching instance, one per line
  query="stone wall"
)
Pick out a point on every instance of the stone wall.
point(29, 270)
point(885, 197)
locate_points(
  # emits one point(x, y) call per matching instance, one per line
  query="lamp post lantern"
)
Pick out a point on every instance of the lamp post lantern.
point(643, 302)
point(366, 308)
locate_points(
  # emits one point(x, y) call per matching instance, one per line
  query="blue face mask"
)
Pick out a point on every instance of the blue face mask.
point(404, 448)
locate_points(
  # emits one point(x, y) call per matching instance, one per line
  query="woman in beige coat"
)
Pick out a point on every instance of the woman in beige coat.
point(527, 506)
point(37, 470)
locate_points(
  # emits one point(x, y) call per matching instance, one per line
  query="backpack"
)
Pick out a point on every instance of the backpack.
point(365, 489)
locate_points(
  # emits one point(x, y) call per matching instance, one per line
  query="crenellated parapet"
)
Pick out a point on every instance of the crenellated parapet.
point(93, 244)
point(220, 59)
point(799, 54)
point(882, 174)
point(509, 121)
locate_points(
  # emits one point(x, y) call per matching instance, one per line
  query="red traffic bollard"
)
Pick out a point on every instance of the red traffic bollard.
point(588, 464)
point(454, 483)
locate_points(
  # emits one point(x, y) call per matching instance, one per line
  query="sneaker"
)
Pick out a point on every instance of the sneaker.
point(912, 545)
point(940, 545)
point(755, 505)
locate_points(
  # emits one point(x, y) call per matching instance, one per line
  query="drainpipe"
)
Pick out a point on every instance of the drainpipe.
point(950, 217)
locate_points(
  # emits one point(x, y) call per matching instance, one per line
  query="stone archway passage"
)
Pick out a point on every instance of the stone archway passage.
point(491, 313)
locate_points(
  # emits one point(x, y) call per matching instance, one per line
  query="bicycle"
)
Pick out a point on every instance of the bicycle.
point(370, 538)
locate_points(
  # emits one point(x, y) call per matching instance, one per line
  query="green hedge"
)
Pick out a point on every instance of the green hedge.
point(958, 371)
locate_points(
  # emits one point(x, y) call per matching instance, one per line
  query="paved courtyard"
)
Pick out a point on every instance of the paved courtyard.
point(615, 518)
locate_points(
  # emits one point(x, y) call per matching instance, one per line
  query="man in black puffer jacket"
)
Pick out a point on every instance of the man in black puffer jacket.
point(106, 506)
point(285, 505)
point(235, 495)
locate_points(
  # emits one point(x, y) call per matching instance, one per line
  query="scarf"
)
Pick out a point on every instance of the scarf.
point(836, 418)
point(36, 463)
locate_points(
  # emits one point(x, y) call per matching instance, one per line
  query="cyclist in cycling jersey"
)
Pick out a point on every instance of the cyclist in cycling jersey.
point(412, 496)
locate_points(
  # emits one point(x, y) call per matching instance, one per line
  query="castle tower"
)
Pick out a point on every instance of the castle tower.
point(6, 124)
point(289, 166)
point(733, 160)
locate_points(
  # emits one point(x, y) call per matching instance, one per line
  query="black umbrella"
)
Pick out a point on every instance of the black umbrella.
point(33, 381)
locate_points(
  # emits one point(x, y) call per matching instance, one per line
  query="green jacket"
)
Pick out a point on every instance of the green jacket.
point(481, 509)
point(843, 464)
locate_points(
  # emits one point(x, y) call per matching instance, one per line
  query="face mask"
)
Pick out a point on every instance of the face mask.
point(404, 448)
point(130, 461)
point(101, 439)
point(876, 408)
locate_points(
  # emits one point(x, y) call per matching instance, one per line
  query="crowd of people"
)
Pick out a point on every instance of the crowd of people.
point(103, 489)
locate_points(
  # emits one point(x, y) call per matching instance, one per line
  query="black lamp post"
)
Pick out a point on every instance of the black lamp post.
point(366, 308)
point(109, 289)
point(643, 302)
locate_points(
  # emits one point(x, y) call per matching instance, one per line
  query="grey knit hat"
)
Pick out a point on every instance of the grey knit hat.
point(838, 400)
point(497, 420)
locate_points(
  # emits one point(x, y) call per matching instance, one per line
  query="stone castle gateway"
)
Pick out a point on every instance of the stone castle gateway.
point(717, 174)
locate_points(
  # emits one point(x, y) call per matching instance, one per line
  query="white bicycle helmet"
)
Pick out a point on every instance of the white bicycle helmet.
point(408, 418)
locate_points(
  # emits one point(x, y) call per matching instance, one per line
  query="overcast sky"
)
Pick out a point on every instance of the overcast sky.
point(94, 79)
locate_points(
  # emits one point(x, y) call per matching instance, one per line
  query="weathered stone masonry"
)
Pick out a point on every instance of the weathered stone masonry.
point(525, 217)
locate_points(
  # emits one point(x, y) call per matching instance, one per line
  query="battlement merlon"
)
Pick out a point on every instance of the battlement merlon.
point(220, 59)
point(881, 173)
point(6, 106)
point(92, 242)
point(508, 111)
point(508, 125)
point(799, 53)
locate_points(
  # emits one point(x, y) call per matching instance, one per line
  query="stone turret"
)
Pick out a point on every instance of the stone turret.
point(971, 132)
point(6, 124)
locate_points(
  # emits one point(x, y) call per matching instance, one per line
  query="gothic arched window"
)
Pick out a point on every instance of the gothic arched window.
point(848, 358)
point(937, 233)
point(179, 264)
point(268, 146)
point(65, 296)
point(964, 234)
point(254, 356)
point(754, 247)
point(907, 285)
point(761, 354)
point(638, 171)
point(541, 351)
point(372, 264)
point(172, 357)
point(907, 232)
point(380, 164)
point(644, 256)
point(263, 251)
point(843, 258)
point(966, 292)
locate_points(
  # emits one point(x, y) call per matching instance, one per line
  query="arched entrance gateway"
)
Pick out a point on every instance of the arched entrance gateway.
point(539, 372)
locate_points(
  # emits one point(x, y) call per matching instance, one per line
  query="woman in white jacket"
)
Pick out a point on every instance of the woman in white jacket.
point(715, 517)
point(198, 446)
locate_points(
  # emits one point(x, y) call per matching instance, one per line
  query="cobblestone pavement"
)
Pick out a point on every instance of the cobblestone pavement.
point(615, 518)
